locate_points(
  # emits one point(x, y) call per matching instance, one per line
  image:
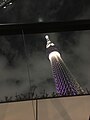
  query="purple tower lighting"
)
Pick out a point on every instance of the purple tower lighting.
point(64, 80)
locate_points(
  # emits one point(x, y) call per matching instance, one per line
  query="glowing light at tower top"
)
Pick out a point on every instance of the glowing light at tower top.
point(49, 43)
point(47, 37)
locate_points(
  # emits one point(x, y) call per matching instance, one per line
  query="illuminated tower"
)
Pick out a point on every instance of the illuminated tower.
point(64, 81)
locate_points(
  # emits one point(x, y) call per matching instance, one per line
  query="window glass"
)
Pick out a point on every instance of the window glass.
point(33, 11)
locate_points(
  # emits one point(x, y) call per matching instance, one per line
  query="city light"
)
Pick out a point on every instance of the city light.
point(5, 3)
point(10, 3)
point(40, 19)
point(4, 7)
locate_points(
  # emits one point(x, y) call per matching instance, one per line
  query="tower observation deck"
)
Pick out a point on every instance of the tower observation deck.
point(64, 81)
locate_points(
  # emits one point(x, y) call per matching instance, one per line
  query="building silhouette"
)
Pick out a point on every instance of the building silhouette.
point(64, 80)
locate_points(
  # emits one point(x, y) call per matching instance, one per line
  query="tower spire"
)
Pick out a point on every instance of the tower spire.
point(47, 38)
point(49, 43)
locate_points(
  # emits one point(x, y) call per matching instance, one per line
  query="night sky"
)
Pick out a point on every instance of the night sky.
point(24, 63)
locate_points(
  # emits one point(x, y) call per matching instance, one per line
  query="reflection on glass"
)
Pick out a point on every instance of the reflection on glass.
point(33, 11)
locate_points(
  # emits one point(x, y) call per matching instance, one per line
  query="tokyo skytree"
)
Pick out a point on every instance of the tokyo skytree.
point(64, 81)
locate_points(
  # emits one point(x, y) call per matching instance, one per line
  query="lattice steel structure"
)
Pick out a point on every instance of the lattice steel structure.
point(64, 80)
